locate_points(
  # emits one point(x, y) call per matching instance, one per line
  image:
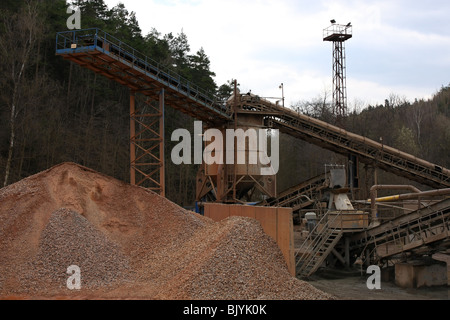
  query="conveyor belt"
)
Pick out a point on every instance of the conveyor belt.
point(104, 54)
point(343, 142)
point(98, 51)
point(302, 195)
point(421, 228)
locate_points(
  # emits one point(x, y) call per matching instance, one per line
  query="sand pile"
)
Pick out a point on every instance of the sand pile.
point(130, 243)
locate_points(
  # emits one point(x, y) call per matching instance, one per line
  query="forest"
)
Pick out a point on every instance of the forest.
point(53, 111)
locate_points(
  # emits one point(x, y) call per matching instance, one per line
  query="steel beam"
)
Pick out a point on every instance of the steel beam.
point(147, 142)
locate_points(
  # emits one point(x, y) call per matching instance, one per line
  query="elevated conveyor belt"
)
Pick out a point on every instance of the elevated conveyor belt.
point(343, 142)
point(104, 54)
point(419, 229)
point(301, 195)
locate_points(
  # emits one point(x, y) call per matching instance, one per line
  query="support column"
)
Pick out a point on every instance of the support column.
point(132, 138)
point(147, 142)
point(162, 175)
point(347, 251)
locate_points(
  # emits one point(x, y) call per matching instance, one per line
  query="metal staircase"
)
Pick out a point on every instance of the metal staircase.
point(317, 246)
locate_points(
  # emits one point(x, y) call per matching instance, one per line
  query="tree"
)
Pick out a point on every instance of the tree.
point(200, 72)
point(19, 36)
point(125, 26)
point(225, 91)
point(395, 101)
point(319, 107)
point(405, 141)
point(179, 48)
point(157, 48)
point(94, 13)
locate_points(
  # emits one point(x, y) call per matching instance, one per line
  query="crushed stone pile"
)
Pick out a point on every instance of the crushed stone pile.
point(69, 239)
point(130, 243)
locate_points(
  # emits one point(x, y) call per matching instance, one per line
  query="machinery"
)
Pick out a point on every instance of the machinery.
point(238, 183)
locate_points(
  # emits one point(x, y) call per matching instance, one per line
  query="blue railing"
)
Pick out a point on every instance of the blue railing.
point(86, 40)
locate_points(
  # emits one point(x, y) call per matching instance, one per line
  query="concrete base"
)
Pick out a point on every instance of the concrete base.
point(421, 273)
point(388, 274)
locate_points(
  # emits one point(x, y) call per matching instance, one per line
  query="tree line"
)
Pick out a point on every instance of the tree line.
point(54, 111)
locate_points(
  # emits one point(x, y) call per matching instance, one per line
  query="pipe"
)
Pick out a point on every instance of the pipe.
point(376, 187)
point(424, 194)
point(407, 196)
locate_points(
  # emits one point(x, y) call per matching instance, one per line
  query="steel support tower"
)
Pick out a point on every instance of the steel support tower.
point(338, 34)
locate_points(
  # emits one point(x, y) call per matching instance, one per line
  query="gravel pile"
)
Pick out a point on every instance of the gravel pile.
point(130, 244)
point(235, 260)
point(70, 240)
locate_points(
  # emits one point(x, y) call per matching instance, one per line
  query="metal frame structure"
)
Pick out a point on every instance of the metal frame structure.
point(344, 142)
point(147, 143)
point(428, 226)
point(302, 195)
point(102, 53)
point(338, 34)
point(153, 87)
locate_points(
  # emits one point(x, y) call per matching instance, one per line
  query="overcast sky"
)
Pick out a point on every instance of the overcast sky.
point(398, 46)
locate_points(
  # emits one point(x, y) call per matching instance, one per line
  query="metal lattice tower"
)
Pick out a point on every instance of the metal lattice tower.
point(338, 34)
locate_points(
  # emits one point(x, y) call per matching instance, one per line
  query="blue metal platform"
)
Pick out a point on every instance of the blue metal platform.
point(109, 56)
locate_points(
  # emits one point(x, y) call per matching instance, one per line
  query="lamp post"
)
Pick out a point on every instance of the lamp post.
point(282, 93)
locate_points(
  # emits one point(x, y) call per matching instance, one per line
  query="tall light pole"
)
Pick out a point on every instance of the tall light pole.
point(282, 93)
point(338, 34)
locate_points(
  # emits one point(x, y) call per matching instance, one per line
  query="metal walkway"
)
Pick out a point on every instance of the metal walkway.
point(302, 195)
point(104, 54)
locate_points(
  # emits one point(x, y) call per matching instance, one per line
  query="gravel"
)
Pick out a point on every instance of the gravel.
point(130, 244)
point(70, 240)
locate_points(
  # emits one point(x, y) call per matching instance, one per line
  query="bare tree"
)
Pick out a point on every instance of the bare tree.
point(418, 113)
point(17, 41)
point(395, 101)
point(319, 107)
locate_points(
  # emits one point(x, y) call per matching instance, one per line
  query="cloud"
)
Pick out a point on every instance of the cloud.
point(398, 46)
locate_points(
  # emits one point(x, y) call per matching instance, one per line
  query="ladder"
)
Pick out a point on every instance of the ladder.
point(317, 246)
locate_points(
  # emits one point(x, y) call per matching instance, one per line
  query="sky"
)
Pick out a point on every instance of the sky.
point(399, 47)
